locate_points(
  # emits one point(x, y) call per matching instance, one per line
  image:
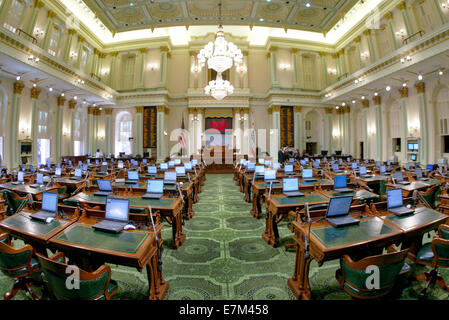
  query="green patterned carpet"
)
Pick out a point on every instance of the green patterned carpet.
point(224, 257)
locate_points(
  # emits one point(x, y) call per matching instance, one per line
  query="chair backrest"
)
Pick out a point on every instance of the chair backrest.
point(431, 195)
point(13, 259)
point(355, 274)
point(91, 285)
point(13, 201)
point(440, 247)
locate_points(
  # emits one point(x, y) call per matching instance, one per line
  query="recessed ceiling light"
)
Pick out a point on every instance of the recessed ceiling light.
point(388, 88)
point(62, 94)
point(440, 73)
point(376, 94)
point(34, 85)
point(420, 77)
point(18, 78)
point(261, 19)
point(404, 84)
point(75, 97)
point(363, 97)
point(353, 101)
point(308, 4)
point(50, 89)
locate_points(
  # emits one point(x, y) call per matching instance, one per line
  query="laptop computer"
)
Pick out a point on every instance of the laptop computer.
point(171, 164)
point(419, 176)
point(58, 172)
point(340, 184)
point(163, 166)
point(261, 161)
point(363, 172)
point(335, 167)
point(170, 177)
point(133, 177)
point(155, 189)
point(338, 212)
point(188, 166)
point(276, 165)
point(49, 207)
point(77, 175)
point(116, 216)
point(400, 178)
point(39, 180)
point(104, 187)
point(180, 171)
point(177, 162)
point(120, 165)
point(152, 171)
point(269, 176)
point(104, 169)
point(288, 169)
point(395, 203)
point(194, 162)
point(250, 167)
point(307, 175)
point(259, 170)
point(290, 187)
point(354, 165)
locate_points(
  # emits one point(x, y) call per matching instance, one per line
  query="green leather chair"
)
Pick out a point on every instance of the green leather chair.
point(62, 192)
point(18, 264)
point(431, 195)
point(352, 275)
point(13, 201)
point(436, 255)
point(96, 285)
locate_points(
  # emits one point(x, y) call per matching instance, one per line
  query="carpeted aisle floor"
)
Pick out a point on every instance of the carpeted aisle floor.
point(224, 257)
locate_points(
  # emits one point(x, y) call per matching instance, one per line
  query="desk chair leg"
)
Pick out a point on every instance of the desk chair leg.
point(21, 284)
point(290, 246)
point(431, 277)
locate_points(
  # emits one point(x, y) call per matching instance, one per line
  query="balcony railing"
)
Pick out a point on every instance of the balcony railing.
point(26, 35)
point(414, 36)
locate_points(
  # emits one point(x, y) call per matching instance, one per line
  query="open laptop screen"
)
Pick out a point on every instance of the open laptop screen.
point(50, 201)
point(270, 175)
point(288, 168)
point(58, 171)
point(78, 173)
point(260, 169)
point(242, 161)
point(169, 175)
point(195, 162)
point(180, 170)
point(362, 170)
point(120, 165)
point(430, 167)
point(383, 169)
point(155, 186)
point(340, 182)
point(261, 161)
point(276, 165)
point(339, 206)
point(133, 175)
point(418, 172)
point(171, 163)
point(164, 166)
point(307, 173)
point(335, 167)
point(20, 176)
point(290, 184)
point(394, 198)
point(251, 166)
point(398, 175)
point(152, 169)
point(177, 161)
point(39, 178)
point(104, 185)
point(188, 166)
point(354, 165)
point(117, 209)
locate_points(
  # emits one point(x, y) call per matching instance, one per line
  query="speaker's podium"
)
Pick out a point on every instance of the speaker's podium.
point(219, 159)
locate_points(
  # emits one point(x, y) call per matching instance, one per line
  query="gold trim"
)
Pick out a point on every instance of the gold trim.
point(18, 87)
point(420, 87)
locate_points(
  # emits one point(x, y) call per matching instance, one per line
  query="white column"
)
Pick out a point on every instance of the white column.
point(423, 128)
point(275, 131)
point(192, 70)
point(112, 69)
point(273, 67)
point(237, 131)
point(329, 126)
point(140, 72)
point(199, 130)
point(379, 127)
point(139, 133)
point(47, 30)
point(404, 123)
point(15, 112)
point(90, 130)
point(59, 130)
point(161, 148)
point(163, 68)
point(296, 71)
point(366, 144)
point(79, 51)
point(297, 124)
point(245, 72)
point(369, 39)
point(403, 8)
point(32, 23)
point(34, 122)
point(68, 45)
point(72, 106)
point(108, 132)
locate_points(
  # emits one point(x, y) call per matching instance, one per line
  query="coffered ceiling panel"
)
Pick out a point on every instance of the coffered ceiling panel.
point(124, 15)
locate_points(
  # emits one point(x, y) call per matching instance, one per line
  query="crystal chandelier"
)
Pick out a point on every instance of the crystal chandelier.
point(219, 88)
point(220, 55)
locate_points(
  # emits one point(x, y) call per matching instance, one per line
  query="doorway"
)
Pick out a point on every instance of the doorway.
point(361, 149)
point(311, 148)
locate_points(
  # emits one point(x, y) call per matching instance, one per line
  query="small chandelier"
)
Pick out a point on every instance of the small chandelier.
point(219, 88)
point(220, 55)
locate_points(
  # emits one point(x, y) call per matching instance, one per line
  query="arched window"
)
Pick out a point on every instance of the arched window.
point(78, 143)
point(15, 15)
point(43, 134)
point(124, 131)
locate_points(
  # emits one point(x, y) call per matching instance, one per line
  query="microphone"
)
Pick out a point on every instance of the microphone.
point(307, 237)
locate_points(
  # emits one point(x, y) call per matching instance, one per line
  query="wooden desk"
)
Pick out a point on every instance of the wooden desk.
point(408, 189)
point(360, 196)
point(26, 189)
point(278, 207)
point(92, 248)
point(328, 243)
point(169, 208)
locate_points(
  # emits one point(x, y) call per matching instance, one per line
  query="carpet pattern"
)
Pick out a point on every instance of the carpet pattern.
point(224, 257)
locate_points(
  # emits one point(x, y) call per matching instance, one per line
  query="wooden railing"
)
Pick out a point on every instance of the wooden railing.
point(26, 35)
point(412, 37)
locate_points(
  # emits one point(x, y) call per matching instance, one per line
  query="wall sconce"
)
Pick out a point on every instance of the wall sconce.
point(38, 33)
point(332, 71)
point(101, 136)
point(165, 133)
point(196, 69)
point(445, 5)
point(413, 129)
point(245, 117)
point(241, 69)
point(371, 131)
point(105, 72)
point(400, 33)
point(364, 55)
point(336, 133)
point(79, 81)
point(73, 55)
point(34, 59)
point(152, 66)
point(284, 66)
point(407, 58)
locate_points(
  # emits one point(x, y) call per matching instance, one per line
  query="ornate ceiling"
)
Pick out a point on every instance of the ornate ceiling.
point(125, 15)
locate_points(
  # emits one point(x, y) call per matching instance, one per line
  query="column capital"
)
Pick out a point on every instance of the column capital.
point(294, 50)
point(143, 50)
point(245, 53)
point(72, 104)
point(357, 39)
point(388, 15)
point(193, 53)
point(164, 49)
point(340, 110)
point(160, 108)
point(61, 101)
point(341, 52)
point(329, 110)
point(420, 87)
point(81, 39)
point(192, 110)
point(114, 53)
point(90, 110)
point(367, 32)
point(323, 54)
point(96, 51)
point(297, 109)
point(244, 110)
point(335, 55)
point(274, 108)
point(403, 92)
point(401, 5)
point(97, 112)
point(18, 87)
point(51, 14)
point(377, 100)
point(236, 111)
point(102, 55)
point(108, 111)
point(268, 55)
point(365, 103)
point(139, 109)
point(35, 92)
point(39, 4)
point(71, 31)
point(272, 48)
